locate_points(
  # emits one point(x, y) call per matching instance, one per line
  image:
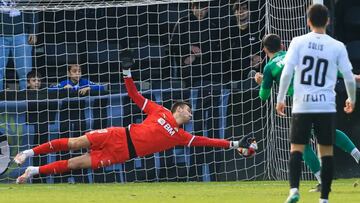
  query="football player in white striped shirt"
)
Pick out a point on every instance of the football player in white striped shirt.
point(313, 60)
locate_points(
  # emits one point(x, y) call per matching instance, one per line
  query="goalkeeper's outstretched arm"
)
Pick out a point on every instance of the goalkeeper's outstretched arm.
point(127, 62)
point(242, 145)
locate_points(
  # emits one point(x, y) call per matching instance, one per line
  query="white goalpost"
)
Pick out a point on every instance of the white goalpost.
point(92, 33)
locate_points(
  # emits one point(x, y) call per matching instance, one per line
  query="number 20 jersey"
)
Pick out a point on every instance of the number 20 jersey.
point(316, 59)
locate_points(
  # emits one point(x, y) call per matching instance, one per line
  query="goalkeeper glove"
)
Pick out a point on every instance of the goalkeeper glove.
point(247, 140)
point(127, 62)
point(246, 146)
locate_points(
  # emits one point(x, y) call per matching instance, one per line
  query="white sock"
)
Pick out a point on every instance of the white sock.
point(293, 190)
point(317, 176)
point(34, 170)
point(324, 201)
point(234, 144)
point(356, 154)
point(29, 153)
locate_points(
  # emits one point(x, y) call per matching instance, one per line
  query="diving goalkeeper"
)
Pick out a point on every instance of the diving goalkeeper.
point(272, 72)
point(161, 130)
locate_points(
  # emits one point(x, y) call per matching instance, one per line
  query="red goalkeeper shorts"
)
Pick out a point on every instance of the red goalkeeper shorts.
point(108, 146)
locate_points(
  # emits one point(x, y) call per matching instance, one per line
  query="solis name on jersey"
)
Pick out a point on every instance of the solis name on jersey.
point(315, 46)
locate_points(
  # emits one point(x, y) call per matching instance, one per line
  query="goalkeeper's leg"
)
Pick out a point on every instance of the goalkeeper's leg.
point(344, 143)
point(58, 167)
point(63, 144)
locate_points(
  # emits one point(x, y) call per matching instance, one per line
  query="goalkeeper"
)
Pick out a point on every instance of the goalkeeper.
point(272, 72)
point(158, 132)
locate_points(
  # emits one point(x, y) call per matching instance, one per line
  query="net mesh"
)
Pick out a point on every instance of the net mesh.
point(288, 20)
point(218, 83)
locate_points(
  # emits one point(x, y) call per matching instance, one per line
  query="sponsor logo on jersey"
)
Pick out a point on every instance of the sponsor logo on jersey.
point(166, 126)
point(314, 98)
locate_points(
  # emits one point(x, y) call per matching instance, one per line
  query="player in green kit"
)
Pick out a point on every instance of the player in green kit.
point(272, 72)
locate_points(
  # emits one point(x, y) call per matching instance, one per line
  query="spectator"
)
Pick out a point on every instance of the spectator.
point(84, 86)
point(17, 34)
point(76, 83)
point(72, 113)
point(243, 46)
point(38, 116)
point(33, 80)
point(195, 47)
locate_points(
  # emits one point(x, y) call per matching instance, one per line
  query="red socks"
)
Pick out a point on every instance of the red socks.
point(57, 167)
point(52, 146)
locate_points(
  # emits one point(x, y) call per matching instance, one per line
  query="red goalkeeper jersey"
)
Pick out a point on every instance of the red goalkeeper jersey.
point(159, 131)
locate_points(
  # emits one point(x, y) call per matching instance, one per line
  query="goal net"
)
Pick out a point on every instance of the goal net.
point(288, 20)
point(208, 62)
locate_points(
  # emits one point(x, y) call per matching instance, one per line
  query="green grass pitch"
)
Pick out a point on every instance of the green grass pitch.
point(241, 191)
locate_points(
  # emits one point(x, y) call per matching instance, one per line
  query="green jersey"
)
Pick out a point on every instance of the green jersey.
point(272, 72)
